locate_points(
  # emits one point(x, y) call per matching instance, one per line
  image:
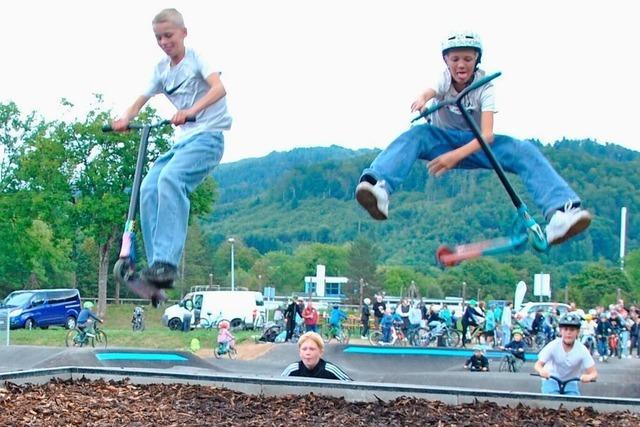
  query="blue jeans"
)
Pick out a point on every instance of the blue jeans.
point(506, 334)
point(386, 334)
point(603, 347)
point(426, 142)
point(551, 387)
point(164, 194)
point(624, 340)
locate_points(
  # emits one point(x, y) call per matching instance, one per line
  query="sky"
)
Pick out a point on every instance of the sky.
point(345, 72)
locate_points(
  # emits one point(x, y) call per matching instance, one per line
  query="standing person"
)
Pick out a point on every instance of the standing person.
point(489, 327)
point(195, 89)
point(310, 316)
point(448, 143)
point(311, 364)
point(379, 308)
point(290, 314)
point(403, 311)
point(506, 322)
point(364, 318)
point(565, 358)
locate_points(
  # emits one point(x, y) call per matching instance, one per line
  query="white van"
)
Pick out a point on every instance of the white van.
point(241, 308)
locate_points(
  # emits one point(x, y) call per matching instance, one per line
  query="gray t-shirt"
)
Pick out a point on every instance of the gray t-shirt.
point(477, 101)
point(184, 84)
point(565, 365)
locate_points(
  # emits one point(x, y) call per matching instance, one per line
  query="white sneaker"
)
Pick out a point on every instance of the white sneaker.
point(600, 359)
point(374, 198)
point(566, 224)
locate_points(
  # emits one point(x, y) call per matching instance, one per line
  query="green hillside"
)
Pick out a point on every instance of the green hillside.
point(285, 199)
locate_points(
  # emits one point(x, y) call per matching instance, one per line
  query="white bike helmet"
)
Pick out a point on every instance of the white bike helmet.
point(462, 39)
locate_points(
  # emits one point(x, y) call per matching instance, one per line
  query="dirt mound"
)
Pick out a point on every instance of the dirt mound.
point(101, 403)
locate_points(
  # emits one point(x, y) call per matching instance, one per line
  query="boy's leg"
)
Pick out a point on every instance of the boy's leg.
point(549, 190)
point(392, 166)
point(191, 162)
point(149, 203)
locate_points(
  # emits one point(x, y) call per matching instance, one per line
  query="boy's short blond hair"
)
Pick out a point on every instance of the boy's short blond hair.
point(169, 15)
point(313, 336)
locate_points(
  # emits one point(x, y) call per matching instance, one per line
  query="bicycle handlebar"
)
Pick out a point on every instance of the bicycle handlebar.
point(483, 81)
point(134, 126)
point(558, 380)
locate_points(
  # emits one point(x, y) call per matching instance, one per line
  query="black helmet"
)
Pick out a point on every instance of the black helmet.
point(570, 319)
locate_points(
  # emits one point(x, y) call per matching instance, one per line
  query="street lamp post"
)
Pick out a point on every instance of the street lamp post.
point(233, 273)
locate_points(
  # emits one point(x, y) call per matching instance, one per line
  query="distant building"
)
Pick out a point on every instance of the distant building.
point(321, 285)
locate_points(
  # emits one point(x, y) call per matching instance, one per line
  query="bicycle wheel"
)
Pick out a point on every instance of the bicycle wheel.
point(204, 324)
point(70, 339)
point(375, 338)
point(327, 333)
point(345, 336)
point(505, 366)
point(451, 338)
point(100, 340)
point(216, 352)
point(420, 337)
point(233, 353)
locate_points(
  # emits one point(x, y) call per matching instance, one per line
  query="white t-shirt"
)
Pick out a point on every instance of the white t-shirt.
point(565, 365)
point(184, 84)
point(477, 101)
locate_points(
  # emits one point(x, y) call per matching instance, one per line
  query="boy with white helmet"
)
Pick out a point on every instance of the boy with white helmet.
point(447, 143)
point(565, 358)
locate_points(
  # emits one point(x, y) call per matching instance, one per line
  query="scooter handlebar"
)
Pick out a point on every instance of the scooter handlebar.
point(108, 128)
point(475, 85)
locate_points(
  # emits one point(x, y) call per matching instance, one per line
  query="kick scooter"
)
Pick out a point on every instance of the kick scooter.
point(124, 270)
point(524, 225)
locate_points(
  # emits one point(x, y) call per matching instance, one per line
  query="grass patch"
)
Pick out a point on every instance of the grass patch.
point(117, 325)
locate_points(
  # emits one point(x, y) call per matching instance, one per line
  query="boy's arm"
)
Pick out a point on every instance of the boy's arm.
point(121, 123)
point(422, 99)
point(449, 160)
point(216, 92)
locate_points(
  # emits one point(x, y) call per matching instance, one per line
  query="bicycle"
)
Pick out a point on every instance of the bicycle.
point(510, 363)
point(209, 322)
point(476, 334)
point(536, 341)
point(561, 384)
point(80, 338)
point(329, 332)
point(224, 348)
point(397, 337)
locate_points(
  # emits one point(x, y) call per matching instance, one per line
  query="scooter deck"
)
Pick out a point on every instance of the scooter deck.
point(146, 290)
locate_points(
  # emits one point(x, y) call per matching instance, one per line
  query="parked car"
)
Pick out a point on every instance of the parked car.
point(43, 308)
point(238, 307)
point(529, 309)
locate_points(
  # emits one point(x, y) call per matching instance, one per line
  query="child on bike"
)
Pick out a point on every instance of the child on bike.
point(470, 319)
point(335, 320)
point(195, 89)
point(447, 142)
point(86, 318)
point(478, 362)
point(225, 337)
point(516, 348)
point(565, 358)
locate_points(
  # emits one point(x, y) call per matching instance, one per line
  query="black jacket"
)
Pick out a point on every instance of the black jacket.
point(323, 369)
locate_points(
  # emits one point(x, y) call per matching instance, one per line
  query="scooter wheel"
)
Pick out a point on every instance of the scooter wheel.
point(122, 270)
point(445, 256)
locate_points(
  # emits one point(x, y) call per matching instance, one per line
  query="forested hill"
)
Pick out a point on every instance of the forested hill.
point(307, 195)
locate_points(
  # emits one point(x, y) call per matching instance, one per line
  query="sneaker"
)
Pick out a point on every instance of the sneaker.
point(600, 359)
point(362, 337)
point(374, 198)
point(566, 224)
point(160, 273)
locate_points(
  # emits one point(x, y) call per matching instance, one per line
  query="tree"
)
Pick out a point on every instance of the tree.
point(362, 263)
point(598, 285)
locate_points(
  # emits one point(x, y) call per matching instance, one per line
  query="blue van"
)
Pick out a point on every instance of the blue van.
point(43, 308)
